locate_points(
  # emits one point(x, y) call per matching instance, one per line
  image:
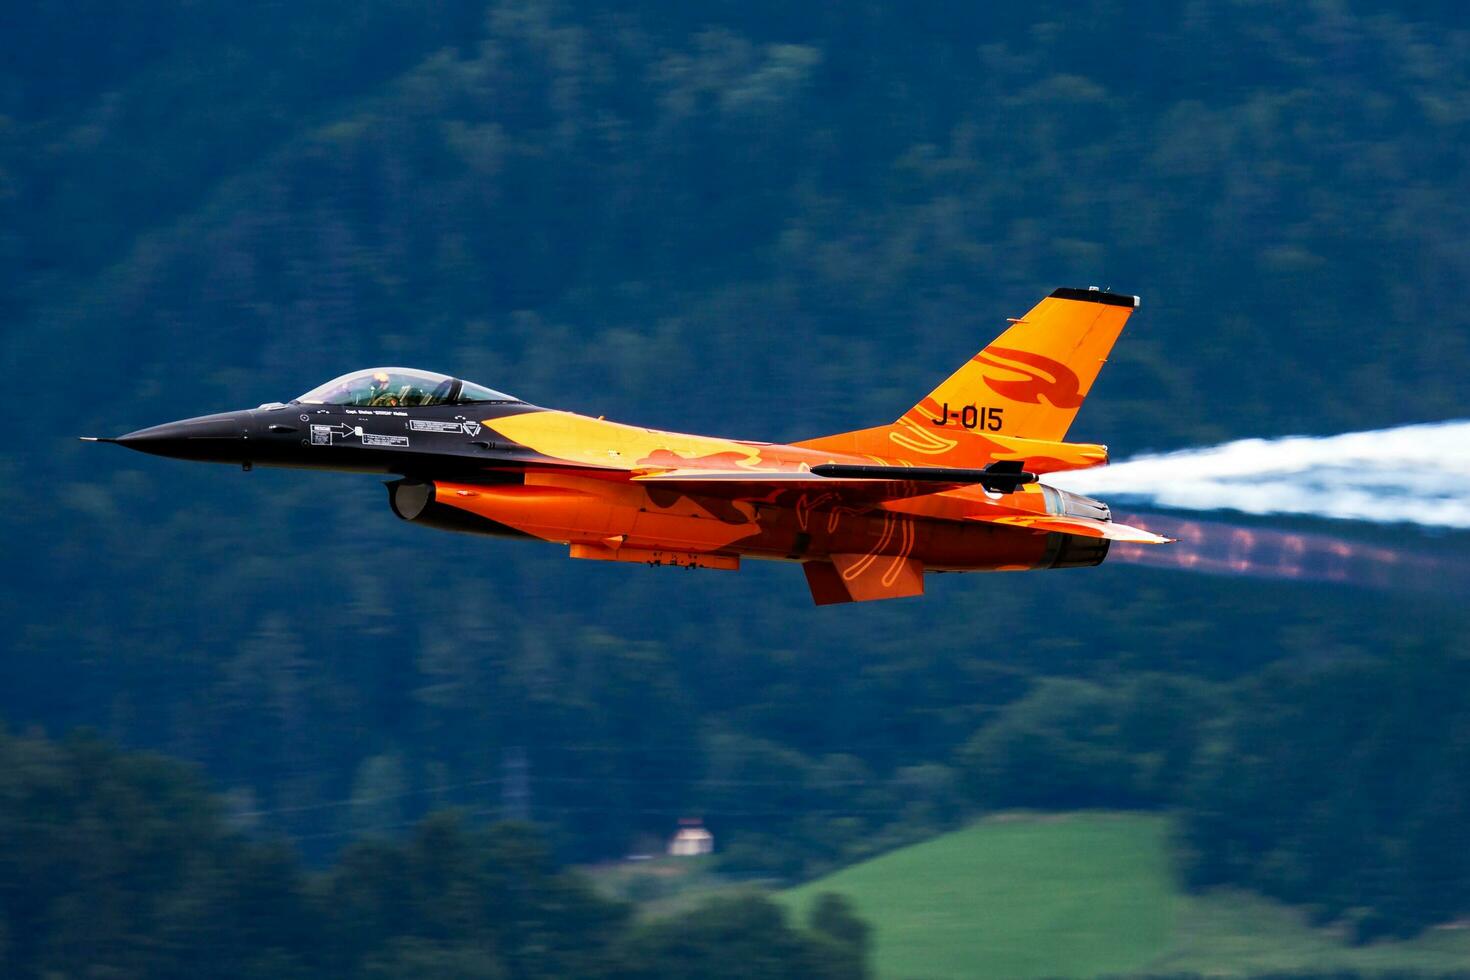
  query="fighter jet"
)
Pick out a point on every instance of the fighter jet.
point(951, 486)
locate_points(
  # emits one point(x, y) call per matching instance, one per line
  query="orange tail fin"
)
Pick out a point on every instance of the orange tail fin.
point(1015, 398)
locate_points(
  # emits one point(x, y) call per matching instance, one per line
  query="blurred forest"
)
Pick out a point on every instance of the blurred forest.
point(120, 865)
point(754, 219)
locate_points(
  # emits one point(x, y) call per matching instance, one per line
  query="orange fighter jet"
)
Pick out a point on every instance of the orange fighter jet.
point(950, 486)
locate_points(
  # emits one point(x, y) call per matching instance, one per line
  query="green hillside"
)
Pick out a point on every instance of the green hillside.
point(1083, 895)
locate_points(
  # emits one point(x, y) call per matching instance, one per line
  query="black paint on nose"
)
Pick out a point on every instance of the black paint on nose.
point(220, 438)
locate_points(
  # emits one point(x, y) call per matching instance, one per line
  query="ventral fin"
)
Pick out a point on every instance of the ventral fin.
point(864, 578)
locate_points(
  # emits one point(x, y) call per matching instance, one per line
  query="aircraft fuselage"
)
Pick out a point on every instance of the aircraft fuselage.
point(459, 473)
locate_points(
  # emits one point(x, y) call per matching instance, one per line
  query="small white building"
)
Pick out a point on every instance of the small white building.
point(691, 840)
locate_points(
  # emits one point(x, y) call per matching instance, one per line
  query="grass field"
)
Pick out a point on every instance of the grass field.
point(1081, 895)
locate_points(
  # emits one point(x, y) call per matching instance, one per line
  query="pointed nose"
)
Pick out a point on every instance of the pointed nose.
point(220, 438)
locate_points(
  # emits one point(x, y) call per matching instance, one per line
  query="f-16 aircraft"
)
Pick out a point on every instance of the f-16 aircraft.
point(950, 486)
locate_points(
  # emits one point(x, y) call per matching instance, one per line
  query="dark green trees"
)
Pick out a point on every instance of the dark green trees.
point(1345, 788)
point(117, 864)
point(738, 938)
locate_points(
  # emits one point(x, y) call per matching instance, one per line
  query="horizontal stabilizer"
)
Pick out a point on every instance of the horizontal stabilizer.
point(1086, 527)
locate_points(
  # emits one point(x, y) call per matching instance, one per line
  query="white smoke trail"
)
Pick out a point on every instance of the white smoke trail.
point(1417, 474)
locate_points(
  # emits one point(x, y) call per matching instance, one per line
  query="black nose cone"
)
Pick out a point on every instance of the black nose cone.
point(211, 438)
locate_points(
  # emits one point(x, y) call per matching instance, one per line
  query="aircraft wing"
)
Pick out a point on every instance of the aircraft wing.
point(901, 483)
point(877, 482)
point(749, 484)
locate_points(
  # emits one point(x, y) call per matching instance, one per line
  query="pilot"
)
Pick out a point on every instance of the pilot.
point(378, 393)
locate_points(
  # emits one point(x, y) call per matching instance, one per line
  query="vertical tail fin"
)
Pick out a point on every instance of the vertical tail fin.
point(1032, 379)
point(1015, 399)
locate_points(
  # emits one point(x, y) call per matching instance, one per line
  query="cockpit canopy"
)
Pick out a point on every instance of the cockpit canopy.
point(392, 387)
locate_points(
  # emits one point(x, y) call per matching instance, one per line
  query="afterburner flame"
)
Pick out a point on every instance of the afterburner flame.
point(1221, 548)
